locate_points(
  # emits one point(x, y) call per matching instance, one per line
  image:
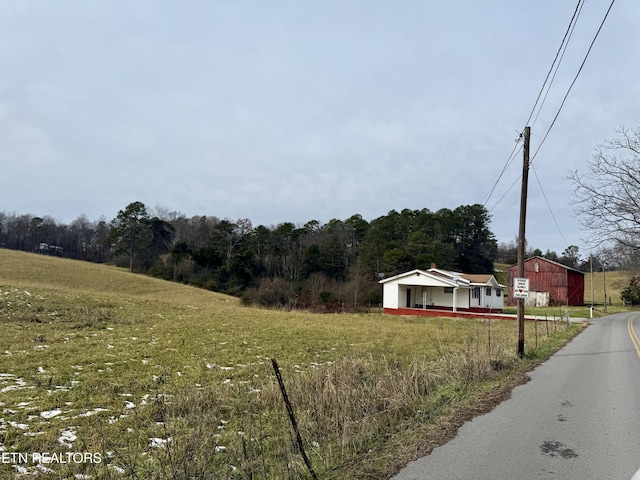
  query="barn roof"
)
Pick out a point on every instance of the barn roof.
point(530, 259)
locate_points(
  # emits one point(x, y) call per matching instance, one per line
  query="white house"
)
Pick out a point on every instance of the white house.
point(434, 289)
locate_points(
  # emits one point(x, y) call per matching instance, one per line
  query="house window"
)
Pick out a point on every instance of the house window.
point(498, 292)
point(448, 289)
point(487, 292)
point(475, 293)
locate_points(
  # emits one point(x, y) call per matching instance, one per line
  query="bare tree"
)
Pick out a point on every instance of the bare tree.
point(607, 196)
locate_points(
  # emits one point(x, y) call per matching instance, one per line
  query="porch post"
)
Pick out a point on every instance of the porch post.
point(455, 299)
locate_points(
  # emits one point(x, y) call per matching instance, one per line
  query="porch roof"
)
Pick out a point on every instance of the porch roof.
point(435, 277)
point(427, 278)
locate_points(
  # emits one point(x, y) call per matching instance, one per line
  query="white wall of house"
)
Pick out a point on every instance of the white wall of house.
point(395, 296)
point(442, 298)
point(390, 295)
point(491, 297)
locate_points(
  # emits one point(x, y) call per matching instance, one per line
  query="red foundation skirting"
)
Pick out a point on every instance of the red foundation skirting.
point(476, 313)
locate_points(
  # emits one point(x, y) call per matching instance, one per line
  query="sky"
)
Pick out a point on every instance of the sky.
point(291, 111)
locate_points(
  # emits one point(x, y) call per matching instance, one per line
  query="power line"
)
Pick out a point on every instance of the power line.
point(565, 38)
point(564, 50)
point(509, 189)
point(575, 78)
point(574, 81)
point(512, 156)
point(549, 206)
point(568, 35)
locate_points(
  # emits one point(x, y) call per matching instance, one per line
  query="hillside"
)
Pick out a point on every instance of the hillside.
point(157, 379)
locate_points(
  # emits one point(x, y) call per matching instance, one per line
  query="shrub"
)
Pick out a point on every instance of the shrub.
point(631, 293)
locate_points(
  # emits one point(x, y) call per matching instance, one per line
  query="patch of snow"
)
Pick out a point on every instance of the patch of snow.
point(50, 413)
point(117, 468)
point(158, 442)
point(91, 412)
point(67, 437)
point(21, 426)
point(44, 469)
point(22, 470)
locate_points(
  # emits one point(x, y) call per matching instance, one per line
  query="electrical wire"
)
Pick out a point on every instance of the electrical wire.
point(568, 35)
point(549, 207)
point(505, 193)
point(564, 43)
point(572, 22)
point(575, 78)
point(512, 156)
point(564, 50)
point(584, 60)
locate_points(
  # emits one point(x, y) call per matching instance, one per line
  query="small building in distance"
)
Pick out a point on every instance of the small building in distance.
point(550, 283)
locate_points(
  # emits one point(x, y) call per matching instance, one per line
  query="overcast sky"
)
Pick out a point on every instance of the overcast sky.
point(298, 110)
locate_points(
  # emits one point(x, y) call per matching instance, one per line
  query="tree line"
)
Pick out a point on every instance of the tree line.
point(335, 265)
point(332, 266)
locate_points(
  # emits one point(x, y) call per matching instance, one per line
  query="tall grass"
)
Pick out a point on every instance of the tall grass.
point(167, 381)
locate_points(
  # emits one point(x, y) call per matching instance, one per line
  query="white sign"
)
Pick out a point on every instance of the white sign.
point(520, 287)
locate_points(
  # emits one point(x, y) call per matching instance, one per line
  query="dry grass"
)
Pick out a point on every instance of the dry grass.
point(168, 381)
point(615, 282)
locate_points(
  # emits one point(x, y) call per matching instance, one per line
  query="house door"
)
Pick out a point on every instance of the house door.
point(475, 297)
point(408, 298)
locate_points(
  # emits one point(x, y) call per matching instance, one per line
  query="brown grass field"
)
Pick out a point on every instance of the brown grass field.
point(126, 376)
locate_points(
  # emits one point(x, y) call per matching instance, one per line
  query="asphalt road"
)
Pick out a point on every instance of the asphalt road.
point(578, 418)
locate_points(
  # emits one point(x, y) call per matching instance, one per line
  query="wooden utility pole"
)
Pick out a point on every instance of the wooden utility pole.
point(604, 285)
point(591, 266)
point(521, 235)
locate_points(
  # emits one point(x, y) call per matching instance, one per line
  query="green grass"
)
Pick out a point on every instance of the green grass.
point(168, 381)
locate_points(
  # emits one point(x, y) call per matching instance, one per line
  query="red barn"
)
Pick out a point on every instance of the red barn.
point(564, 285)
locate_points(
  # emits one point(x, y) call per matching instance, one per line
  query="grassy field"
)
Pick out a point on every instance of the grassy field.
point(109, 374)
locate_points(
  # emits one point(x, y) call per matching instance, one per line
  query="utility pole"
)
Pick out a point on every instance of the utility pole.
point(592, 299)
point(521, 235)
point(604, 285)
point(591, 266)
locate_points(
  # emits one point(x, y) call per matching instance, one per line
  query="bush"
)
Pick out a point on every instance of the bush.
point(271, 292)
point(631, 293)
